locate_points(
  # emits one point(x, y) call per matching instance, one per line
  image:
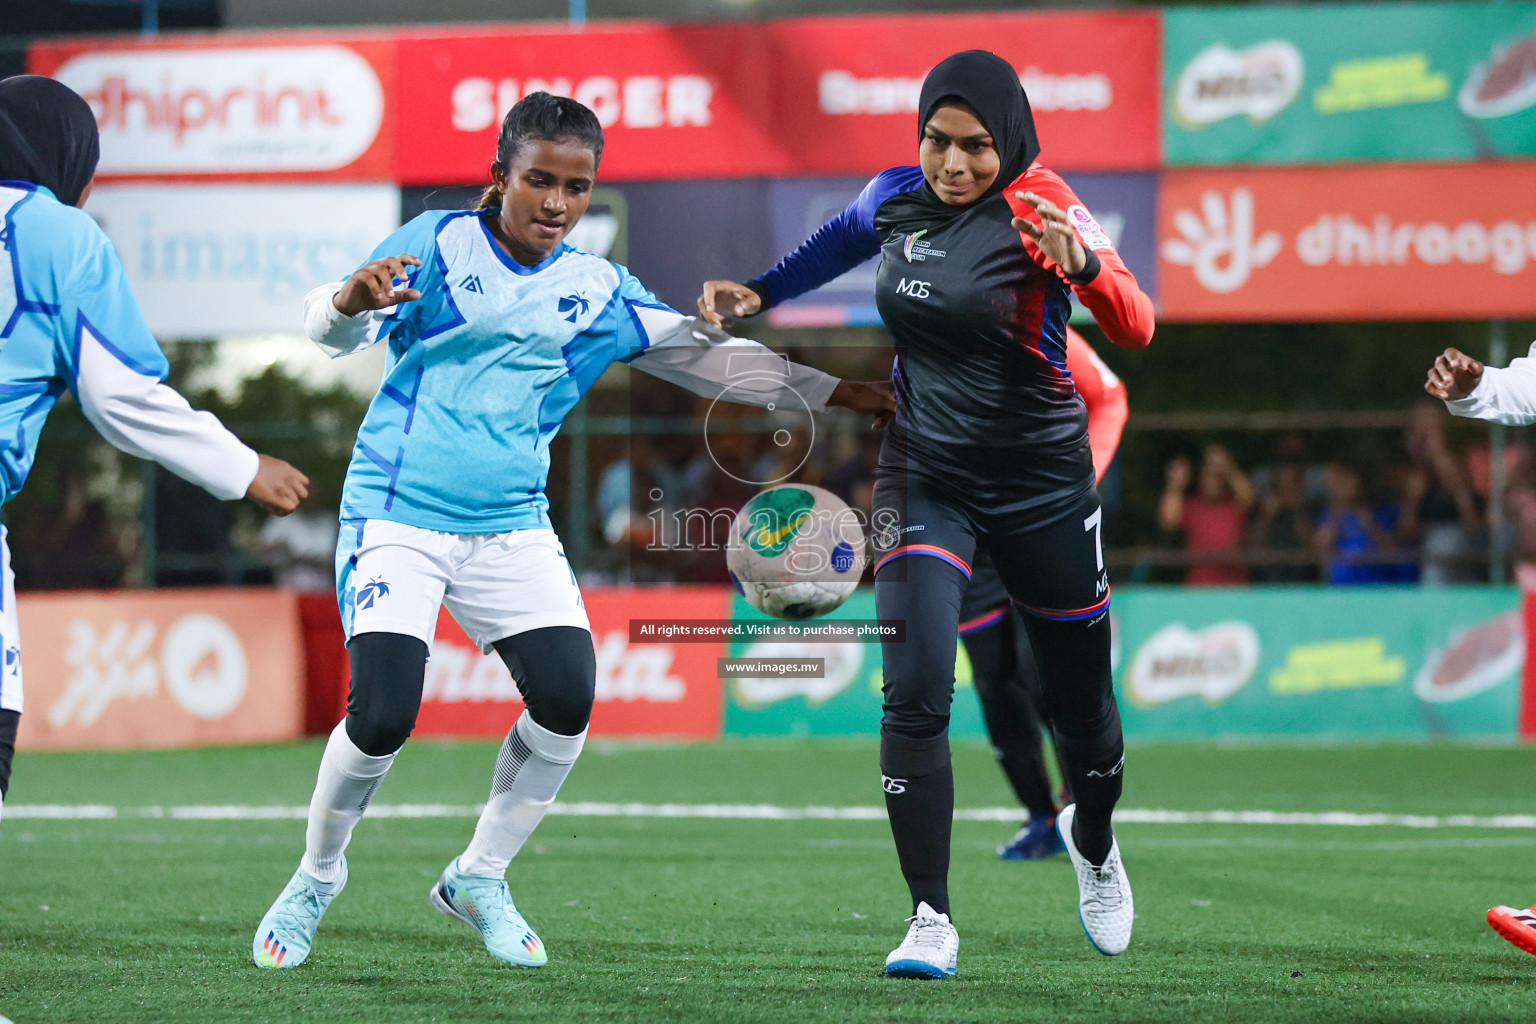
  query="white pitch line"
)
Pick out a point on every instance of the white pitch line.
point(763, 812)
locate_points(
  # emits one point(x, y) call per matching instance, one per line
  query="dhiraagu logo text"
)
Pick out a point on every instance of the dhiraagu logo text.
point(774, 519)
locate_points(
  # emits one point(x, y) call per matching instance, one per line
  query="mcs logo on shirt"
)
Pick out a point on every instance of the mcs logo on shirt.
point(913, 289)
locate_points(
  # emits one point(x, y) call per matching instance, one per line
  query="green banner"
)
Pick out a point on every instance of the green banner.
point(1291, 662)
point(844, 702)
point(1320, 663)
point(1287, 85)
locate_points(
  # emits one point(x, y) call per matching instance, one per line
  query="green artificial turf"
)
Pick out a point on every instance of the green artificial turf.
point(141, 919)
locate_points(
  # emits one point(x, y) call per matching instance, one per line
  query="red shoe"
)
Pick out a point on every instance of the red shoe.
point(1518, 926)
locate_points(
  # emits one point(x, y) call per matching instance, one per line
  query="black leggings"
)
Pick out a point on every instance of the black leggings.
point(1054, 573)
point(554, 667)
point(9, 722)
point(1007, 684)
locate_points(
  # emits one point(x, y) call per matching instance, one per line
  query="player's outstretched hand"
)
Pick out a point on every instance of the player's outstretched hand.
point(1454, 375)
point(373, 285)
point(875, 398)
point(278, 487)
point(724, 300)
point(1055, 236)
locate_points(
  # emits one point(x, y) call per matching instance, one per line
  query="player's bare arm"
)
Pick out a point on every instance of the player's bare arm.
point(377, 285)
point(724, 300)
point(875, 398)
point(1454, 375)
point(1055, 235)
point(278, 487)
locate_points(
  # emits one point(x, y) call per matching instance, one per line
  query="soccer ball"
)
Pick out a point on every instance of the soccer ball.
point(796, 551)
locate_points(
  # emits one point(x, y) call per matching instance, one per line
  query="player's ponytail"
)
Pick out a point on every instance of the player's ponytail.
point(540, 116)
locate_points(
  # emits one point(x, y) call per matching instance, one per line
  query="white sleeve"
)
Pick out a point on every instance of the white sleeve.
point(143, 416)
point(1505, 395)
point(693, 355)
point(336, 333)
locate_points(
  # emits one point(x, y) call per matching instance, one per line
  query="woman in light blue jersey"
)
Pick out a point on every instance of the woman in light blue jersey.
point(69, 322)
point(495, 327)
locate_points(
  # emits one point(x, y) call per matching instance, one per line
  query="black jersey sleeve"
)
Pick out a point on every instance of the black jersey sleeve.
point(839, 245)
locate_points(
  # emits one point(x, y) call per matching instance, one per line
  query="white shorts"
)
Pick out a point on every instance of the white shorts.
point(392, 578)
point(10, 632)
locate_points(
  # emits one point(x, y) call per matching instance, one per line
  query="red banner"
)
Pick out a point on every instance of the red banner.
point(675, 102)
point(164, 668)
point(662, 690)
point(281, 107)
point(806, 96)
point(803, 96)
point(847, 88)
point(1348, 243)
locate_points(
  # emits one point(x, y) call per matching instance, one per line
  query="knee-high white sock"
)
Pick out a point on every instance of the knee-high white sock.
point(529, 770)
point(348, 779)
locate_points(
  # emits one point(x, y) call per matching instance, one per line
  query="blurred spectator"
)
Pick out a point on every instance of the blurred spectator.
point(301, 548)
point(1283, 525)
point(1212, 518)
point(76, 546)
point(1350, 537)
point(1291, 450)
point(1447, 518)
point(1521, 510)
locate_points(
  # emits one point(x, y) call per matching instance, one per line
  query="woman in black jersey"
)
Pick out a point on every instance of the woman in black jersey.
point(981, 248)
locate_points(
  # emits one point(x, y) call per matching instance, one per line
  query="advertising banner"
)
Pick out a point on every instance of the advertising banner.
point(844, 701)
point(1397, 242)
point(798, 96)
point(208, 260)
point(847, 87)
point(1348, 663)
point(1299, 663)
point(643, 689)
point(674, 102)
point(1123, 204)
point(1328, 83)
point(161, 668)
point(291, 106)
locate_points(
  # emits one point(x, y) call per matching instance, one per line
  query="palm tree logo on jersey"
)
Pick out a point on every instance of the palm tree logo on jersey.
point(370, 593)
point(576, 305)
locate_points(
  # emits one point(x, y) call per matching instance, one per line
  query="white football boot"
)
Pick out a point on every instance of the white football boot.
point(930, 950)
point(1104, 903)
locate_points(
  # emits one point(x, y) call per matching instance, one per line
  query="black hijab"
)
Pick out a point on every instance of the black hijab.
point(47, 136)
point(989, 85)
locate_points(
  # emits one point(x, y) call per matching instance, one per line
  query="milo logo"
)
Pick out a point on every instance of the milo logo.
point(774, 519)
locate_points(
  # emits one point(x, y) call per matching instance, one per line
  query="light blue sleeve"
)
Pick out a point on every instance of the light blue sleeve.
point(628, 324)
point(98, 299)
point(636, 332)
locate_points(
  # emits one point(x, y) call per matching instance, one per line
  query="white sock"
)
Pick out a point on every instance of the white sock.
point(348, 779)
point(529, 770)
